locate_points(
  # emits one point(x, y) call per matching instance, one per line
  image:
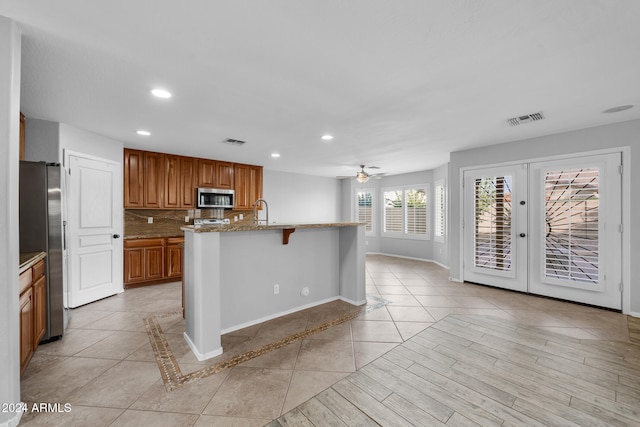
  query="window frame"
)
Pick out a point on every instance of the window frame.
point(404, 234)
point(372, 191)
point(440, 211)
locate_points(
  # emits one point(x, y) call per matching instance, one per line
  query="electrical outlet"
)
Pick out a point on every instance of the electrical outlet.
point(241, 217)
point(276, 289)
point(149, 220)
point(235, 218)
point(186, 218)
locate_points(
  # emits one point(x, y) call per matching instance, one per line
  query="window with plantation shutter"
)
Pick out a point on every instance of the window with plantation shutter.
point(405, 212)
point(440, 211)
point(364, 209)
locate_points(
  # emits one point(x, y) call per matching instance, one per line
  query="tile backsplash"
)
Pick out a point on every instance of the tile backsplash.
point(136, 221)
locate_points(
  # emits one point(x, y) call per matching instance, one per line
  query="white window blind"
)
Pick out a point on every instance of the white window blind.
point(364, 208)
point(393, 211)
point(405, 212)
point(440, 208)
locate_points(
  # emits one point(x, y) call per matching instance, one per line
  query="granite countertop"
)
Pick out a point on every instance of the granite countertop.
point(154, 234)
point(254, 227)
point(28, 259)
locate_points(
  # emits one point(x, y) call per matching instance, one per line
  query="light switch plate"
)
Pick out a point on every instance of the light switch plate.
point(149, 220)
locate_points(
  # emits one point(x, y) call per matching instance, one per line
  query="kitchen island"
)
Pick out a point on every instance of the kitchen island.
point(240, 275)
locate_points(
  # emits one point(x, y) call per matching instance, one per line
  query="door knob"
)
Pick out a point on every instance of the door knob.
point(116, 236)
point(522, 202)
point(522, 235)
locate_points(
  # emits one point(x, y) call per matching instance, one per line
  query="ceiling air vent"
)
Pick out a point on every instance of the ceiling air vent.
point(233, 141)
point(515, 121)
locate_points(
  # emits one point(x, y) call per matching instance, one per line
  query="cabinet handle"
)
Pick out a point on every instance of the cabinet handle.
point(116, 236)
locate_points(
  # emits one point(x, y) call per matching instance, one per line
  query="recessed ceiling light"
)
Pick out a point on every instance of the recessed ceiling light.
point(327, 137)
point(618, 109)
point(161, 93)
point(275, 155)
point(143, 132)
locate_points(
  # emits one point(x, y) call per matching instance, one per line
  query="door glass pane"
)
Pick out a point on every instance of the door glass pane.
point(493, 222)
point(571, 217)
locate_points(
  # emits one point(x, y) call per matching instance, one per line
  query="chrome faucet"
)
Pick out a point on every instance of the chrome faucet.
point(255, 211)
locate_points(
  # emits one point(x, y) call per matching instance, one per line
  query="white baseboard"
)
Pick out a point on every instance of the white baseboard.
point(201, 356)
point(634, 314)
point(409, 257)
point(352, 302)
point(280, 314)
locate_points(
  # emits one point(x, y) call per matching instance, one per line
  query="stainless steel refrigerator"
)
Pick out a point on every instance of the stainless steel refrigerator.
point(41, 229)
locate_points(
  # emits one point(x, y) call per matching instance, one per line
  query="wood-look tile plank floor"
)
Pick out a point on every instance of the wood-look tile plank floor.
point(473, 370)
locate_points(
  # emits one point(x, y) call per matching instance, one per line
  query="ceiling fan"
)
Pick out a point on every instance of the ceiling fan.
point(363, 176)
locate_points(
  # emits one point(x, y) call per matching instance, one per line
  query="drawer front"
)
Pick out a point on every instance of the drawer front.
point(143, 243)
point(26, 277)
point(38, 270)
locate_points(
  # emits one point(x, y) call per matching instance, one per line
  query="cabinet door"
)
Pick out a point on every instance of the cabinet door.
point(153, 180)
point(188, 182)
point(174, 261)
point(154, 260)
point(241, 187)
point(39, 310)
point(134, 265)
point(224, 175)
point(133, 179)
point(26, 328)
point(206, 173)
point(172, 181)
point(255, 185)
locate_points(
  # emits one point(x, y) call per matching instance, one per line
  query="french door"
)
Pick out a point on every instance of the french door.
point(549, 228)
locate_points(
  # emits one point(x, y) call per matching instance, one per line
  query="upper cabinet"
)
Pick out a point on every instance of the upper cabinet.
point(215, 174)
point(156, 180)
point(248, 185)
point(133, 179)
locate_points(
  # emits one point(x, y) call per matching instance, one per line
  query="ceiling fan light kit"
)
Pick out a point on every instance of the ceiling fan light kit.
point(361, 175)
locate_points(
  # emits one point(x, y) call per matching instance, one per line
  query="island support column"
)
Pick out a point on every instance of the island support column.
point(352, 265)
point(201, 277)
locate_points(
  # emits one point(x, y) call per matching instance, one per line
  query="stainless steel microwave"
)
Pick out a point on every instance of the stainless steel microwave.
point(215, 198)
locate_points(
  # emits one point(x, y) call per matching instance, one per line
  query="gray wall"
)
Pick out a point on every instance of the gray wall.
point(42, 141)
point(301, 198)
point(89, 143)
point(10, 45)
point(625, 134)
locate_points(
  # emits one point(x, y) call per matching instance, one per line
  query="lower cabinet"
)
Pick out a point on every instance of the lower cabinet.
point(33, 311)
point(152, 260)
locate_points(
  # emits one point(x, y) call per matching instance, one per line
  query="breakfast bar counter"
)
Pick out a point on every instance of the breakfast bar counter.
point(240, 275)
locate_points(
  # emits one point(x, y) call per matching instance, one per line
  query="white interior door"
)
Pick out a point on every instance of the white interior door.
point(94, 227)
point(494, 220)
point(576, 219)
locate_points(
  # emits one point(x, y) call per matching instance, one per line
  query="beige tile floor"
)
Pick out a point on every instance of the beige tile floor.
point(105, 368)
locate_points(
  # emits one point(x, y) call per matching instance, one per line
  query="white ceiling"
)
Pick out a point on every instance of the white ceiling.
point(400, 84)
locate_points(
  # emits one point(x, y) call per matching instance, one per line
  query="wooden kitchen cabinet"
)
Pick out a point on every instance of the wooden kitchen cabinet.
point(224, 175)
point(33, 311)
point(167, 181)
point(26, 328)
point(153, 180)
point(39, 310)
point(248, 186)
point(149, 261)
point(215, 174)
point(206, 173)
point(133, 179)
point(188, 182)
point(174, 254)
point(172, 182)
